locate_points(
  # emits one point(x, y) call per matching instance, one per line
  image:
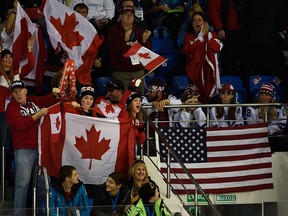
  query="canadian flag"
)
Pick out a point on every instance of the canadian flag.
point(23, 30)
point(76, 35)
point(107, 109)
point(95, 146)
point(148, 59)
point(48, 137)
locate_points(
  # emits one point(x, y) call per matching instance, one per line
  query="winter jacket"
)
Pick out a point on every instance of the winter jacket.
point(103, 201)
point(139, 209)
point(78, 199)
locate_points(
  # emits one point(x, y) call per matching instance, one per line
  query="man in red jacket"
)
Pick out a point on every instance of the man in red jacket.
point(23, 116)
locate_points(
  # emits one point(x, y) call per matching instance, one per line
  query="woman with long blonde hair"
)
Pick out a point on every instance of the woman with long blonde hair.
point(276, 115)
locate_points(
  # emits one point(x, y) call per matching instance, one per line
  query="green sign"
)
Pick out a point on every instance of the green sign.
point(200, 198)
point(225, 198)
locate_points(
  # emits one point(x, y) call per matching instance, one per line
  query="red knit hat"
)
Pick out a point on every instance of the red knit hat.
point(268, 89)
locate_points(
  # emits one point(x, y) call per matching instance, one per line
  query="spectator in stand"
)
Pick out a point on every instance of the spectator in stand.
point(100, 12)
point(201, 48)
point(23, 114)
point(156, 97)
point(138, 177)
point(223, 15)
point(114, 89)
point(67, 193)
point(276, 115)
point(7, 33)
point(133, 107)
point(8, 74)
point(170, 14)
point(149, 202)
point(86, 101)
point(82, 9)
point(226, 116)
point(112, 197)
point(191, 116)
point(121, 36)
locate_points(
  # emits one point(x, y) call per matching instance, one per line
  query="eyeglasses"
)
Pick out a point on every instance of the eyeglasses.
point(226, 92)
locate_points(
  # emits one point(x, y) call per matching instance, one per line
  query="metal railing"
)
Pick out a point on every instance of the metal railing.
point(153, 124)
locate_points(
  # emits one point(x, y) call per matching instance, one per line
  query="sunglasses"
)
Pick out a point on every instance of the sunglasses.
point(226, 92)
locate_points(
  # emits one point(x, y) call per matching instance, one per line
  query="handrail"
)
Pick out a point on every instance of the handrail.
point(3, 142)
point(40, 171)
point(171, 150)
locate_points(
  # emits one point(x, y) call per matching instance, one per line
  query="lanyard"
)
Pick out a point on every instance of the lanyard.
point(114, 202)
point(148, 211)
point(132, 36)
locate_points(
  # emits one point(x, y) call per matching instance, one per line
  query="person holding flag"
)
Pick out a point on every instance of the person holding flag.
point(23, 114)
point(121, 36)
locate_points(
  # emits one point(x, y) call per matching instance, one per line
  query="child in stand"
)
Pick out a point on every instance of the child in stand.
point(226, 116)
point(149, 202)
point(191, 116)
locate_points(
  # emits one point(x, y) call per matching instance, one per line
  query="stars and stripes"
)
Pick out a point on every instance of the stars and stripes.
point(222, 160)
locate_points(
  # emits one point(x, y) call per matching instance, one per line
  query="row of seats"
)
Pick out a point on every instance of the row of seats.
point(180, 83)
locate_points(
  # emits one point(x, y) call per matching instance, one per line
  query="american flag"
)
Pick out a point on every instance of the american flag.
point(222, 160)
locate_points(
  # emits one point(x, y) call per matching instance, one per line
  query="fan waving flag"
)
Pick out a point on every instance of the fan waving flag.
point(76, 35)
point(222, 160)
point(148, 59)
point(23, 30)
point(107, 109)
point(48, 138)
point(95, 146)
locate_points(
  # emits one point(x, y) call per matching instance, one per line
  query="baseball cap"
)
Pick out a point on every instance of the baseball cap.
point(115, 84)
point(17, 84)
point(226, 87)
point(127, 8)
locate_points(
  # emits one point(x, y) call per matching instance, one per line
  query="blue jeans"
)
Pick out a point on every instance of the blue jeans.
point(25, 161)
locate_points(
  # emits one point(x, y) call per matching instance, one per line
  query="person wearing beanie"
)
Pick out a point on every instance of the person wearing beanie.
point(191, 116)
point(226, 116)
point(276, 115)
point(149, 202)
point(84, 106)
point(112, 197)
point(8, 73)
point(133, 108)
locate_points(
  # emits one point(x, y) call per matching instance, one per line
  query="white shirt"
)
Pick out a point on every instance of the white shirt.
point(277, 125)
point(98, 9)
point(224, 121)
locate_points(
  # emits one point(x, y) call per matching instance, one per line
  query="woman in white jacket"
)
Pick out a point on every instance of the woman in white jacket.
point(276, 115)
point(226, 116)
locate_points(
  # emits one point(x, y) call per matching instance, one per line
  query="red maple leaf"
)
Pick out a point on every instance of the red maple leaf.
point(145, 55)
point(109, 108)
point(69, 36)
point(92, 148)
point(58, 122)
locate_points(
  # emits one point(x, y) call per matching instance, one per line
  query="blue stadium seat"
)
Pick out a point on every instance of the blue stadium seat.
point(101, 85)
point(161, 32)
point(236, 81)
point(179, 84)
point(255, 83)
